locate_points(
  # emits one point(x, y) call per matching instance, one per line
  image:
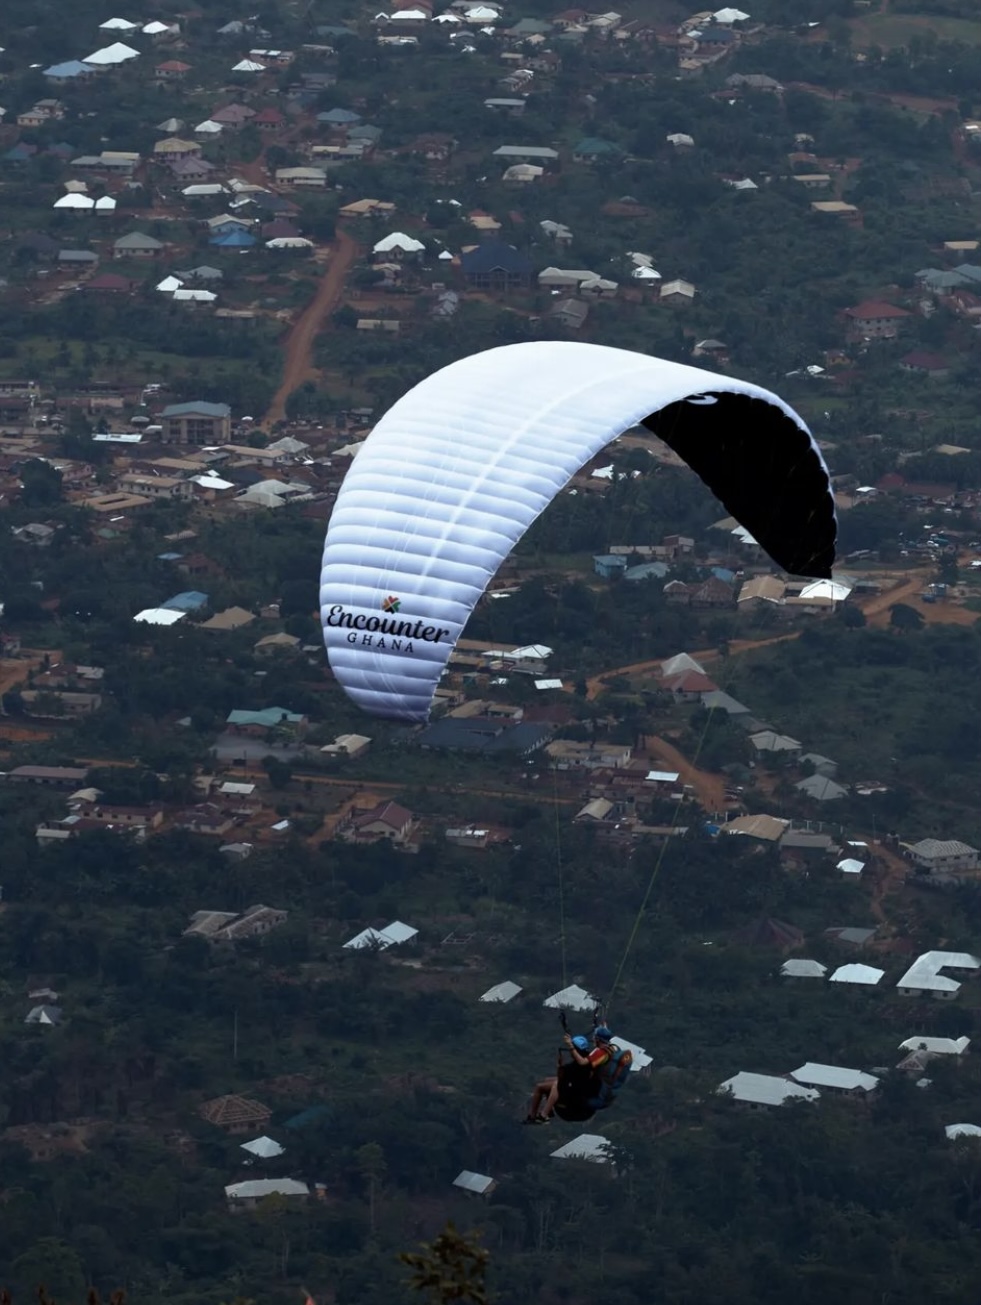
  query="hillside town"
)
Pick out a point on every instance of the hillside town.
point(247, 930)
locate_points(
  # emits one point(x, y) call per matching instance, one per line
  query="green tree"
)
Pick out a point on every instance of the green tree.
point(905, 618)
point(280, 773)
point(40, 483)
point(372, 1167)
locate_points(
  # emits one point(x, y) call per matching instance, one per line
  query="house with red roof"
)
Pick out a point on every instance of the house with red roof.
point(233, 115)
point(109, 283)
point(171, 71)
point(268, 119)
point(922, 363)
point(387, 820)
point(875, 320)
point(689, 686)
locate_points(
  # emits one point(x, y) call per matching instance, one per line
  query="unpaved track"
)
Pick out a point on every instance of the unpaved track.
point(297, 365)
point(710, 789)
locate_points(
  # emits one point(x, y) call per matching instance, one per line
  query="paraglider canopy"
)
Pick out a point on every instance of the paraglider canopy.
point(455, 473)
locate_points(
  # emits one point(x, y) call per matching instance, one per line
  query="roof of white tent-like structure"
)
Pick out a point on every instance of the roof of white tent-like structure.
point(571, 998)
point(112, 54)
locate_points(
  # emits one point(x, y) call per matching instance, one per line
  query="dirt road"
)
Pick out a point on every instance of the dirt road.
point(710, 789)
point(877, 611)
point(299, 343)
point(15, 670)
point(596, 685)
point(890, 874)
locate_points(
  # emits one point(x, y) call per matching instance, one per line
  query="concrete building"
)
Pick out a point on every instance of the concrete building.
point(196, 423)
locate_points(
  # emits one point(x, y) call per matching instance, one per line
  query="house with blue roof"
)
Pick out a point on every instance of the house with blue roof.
point(339, 117)
point(259, 724)
point(592, 149)
point(609, 565)
point(306, 1118)
point(484, 734)
point(495, 265)
point(59, 73)
point(19, 153)
point(646, 571)
point(234, 238)
point(191, 600)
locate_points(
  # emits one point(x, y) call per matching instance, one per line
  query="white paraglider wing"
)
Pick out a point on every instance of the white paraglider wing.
point(455, 473)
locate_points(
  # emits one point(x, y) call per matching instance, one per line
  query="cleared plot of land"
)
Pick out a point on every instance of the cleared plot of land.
point(892, 30)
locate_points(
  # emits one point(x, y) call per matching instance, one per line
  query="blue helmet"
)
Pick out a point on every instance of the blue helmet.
point(580, 1043)
point(602, 1034)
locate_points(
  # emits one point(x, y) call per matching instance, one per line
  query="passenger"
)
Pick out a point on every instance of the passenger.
point(566, 1094)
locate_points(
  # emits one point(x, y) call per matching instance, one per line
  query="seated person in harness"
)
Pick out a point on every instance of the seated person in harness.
point(587, 1084)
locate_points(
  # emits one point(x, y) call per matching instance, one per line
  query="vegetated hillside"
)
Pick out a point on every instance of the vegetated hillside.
point(417, 1080)
point(898, 707)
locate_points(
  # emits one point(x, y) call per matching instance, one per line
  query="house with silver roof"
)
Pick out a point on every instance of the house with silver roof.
point(923, 978)
point(943, 855)
point(763, 1091)
point(835, 1079)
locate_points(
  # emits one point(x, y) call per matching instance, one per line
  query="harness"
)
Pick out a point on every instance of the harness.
point(615, 1072)
point(610, 1077)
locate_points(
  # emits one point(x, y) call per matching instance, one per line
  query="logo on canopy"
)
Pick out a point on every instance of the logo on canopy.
point(391, 604)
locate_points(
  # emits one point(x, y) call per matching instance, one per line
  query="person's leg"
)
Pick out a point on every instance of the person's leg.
point(548, 1110)
point(541, 1093)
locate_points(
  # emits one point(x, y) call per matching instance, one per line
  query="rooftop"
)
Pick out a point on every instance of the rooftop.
point(832, 1076)
point(765, 1089)
point(925, 975)
point(856, 973)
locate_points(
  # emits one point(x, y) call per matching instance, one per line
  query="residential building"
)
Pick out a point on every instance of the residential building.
point(876, 320)
point(225, 926)
point(540, 154)
point(821, 788)
point(834, 1079)
point(171, 70)
point(136, 245)
point(247, 1195)
point(127, 817)
point(393, 935)
point(677, 293)
point(855, 973)
point(196, 423)
point(387, 820)
point(205, 818)
point(273, 644)
point(347, 745)
point(156, 487)
point(923, 363)
point(759, 590)
point(567, 754)
point(259, 724)
point(236, 1114)
point(943, 856)
point(799, 968)
point(494, 265)
point(609, 565)
point(501, 993)
point(688, 686)
point(478, 1184)
point(50, 776)
point(923, 978)
point(763, 1091)
point(936, 1046)
point(768, 741)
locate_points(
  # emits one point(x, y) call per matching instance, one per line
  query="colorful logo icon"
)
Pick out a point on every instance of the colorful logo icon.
point(391, 604)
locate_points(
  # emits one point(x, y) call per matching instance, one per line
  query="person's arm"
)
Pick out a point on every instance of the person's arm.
point(577, 1056)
